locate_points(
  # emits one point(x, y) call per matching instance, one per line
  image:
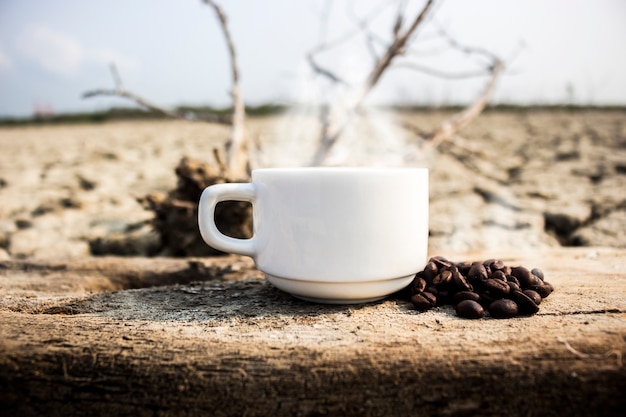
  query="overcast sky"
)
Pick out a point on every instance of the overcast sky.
point(172, 51)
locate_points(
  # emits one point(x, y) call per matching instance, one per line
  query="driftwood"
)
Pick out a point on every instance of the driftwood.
point(211, 337)
point(176, 213)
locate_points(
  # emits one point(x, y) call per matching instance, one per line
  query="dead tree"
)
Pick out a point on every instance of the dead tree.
point(176, 212)
point(403, 34)
point(234, 160)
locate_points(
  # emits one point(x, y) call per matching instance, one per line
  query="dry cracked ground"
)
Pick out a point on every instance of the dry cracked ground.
point(519, 179)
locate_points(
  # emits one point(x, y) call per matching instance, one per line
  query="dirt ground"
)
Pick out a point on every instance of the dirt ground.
point(86, 334)
point(526, 179)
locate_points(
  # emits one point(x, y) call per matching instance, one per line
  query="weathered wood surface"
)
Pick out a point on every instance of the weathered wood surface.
point(119, 336)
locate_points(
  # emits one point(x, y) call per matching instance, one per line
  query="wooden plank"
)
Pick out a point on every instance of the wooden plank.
point(209, 336)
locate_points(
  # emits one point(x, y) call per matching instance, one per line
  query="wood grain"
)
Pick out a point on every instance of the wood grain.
point(124, 336)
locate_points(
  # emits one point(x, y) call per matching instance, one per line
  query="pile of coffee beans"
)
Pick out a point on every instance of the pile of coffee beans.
point(503, 291)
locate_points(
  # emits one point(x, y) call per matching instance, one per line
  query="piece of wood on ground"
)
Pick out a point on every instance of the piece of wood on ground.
point(123, 336)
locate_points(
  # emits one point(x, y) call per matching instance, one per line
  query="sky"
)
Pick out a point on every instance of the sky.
point(173, 52)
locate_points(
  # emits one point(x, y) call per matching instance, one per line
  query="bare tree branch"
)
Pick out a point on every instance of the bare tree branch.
point(120, 91)
point(332, 131)
point(341, 39)
point(116, 76)
point(324, 71)
point(219, 162)
point(396, 48)
point(353, 32)
point(442, 74)
point(399, 18)
point(449, 127)
point(137, 99)
point(238, 159)
point(459, 120)
point(469, 50)
point(370, 37)
point(333, 128)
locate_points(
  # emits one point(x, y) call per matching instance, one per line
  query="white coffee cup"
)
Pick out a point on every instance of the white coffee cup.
point(330, 235)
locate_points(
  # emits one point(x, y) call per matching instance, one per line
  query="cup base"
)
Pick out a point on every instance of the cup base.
point(340, 292)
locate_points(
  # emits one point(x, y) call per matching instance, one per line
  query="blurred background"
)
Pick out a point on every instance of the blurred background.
point(543, 165)
point(557, 51)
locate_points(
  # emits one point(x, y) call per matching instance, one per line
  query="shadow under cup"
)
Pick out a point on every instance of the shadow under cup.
point(330, 235)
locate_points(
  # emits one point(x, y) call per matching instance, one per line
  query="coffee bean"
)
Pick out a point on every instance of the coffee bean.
point(500, 275)
point(527, 305)
point(549, 287)
point(533, 295)
point(525, 277)
point(440, 261)
point(536, 279)
point(513, 286)
point(460, 282)
point(432, 289)
point(463, 267)
point(430, 270)
point(511, 278)
point(544, 289)
point(477, 272)
point(443, 297)
point(443, 279)
point(520, 273)
point(418, 285)
point(489, 285)
point(537, 272)
point(465, 295)
point(503, 309)
point(487, 262)
point(492, 265)
point(421, 302)
point(486, 298)
point(432, 298)
point(469, 309)
point(496, 287)
point(540, 289)
point(497, 265)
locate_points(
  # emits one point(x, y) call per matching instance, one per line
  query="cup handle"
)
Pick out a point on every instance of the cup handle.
point(206, 217)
